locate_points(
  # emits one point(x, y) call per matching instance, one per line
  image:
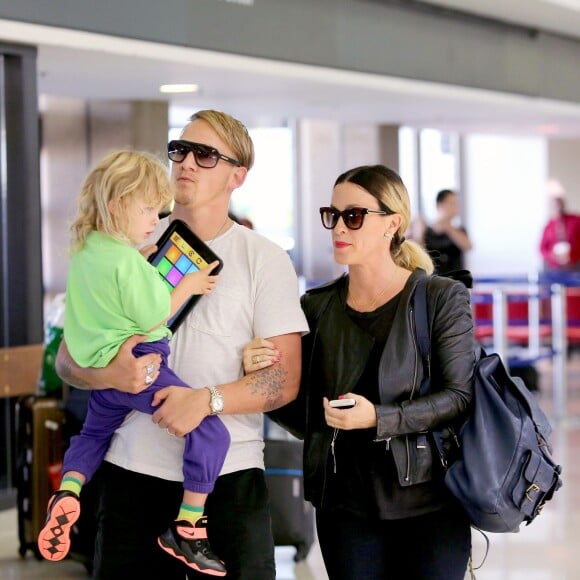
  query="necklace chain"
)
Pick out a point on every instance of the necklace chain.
point(372, 305)
point(219, 231)
point(374, 301)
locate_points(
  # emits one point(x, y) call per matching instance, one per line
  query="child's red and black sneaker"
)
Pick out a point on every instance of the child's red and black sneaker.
point(189, 543)
point(64, 508)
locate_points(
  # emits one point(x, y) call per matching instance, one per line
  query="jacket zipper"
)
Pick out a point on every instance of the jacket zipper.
point(408, 474)
point(412, 327)
point(415, 375)
point(388, 439)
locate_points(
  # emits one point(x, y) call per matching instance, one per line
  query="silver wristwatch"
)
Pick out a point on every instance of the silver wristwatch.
point(216, 401)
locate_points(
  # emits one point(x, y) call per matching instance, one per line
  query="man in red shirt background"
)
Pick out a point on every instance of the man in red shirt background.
point(560, 244)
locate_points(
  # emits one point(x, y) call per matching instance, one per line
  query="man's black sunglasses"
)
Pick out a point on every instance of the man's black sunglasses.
point(353, 217)
point(204, 155)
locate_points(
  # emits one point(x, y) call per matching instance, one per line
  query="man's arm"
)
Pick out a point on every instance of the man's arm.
point(263, 390)
point(124, 373)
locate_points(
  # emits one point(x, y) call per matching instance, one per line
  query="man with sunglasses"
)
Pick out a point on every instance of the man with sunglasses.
point(257, 296)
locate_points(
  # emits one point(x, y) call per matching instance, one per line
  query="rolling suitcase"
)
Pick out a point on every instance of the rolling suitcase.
point(292, 516)
point(40, 450)
point(44, 428)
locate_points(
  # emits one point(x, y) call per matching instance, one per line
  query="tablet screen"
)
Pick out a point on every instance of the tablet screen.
point(181, 252)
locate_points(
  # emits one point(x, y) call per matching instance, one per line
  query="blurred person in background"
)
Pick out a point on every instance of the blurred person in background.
point(446, 240)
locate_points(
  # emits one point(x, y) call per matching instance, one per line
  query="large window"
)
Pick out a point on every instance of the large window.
point(439, 167)
point(429, 161)
point(267, 196)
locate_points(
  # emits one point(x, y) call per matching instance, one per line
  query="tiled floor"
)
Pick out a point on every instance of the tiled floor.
point(546, 550)
point(13, 567)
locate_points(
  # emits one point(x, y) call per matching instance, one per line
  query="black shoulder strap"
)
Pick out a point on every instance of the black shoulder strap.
point(422, 330)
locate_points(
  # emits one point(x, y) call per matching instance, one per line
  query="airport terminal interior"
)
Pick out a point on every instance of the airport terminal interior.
point(544, 550)
point(480, 97)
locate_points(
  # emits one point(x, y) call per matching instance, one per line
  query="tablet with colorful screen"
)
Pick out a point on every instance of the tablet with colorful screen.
point(179, 252)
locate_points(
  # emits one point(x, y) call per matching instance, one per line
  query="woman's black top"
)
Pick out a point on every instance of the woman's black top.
point(362, 476)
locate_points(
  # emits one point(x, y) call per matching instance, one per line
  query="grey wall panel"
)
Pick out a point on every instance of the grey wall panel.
point(20, 235)
point(296, 30)
point(387, 38)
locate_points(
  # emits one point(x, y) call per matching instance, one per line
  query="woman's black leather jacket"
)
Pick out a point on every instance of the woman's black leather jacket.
point(334, 357)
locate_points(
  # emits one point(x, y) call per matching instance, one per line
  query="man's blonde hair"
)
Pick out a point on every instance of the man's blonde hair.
point(232, 132)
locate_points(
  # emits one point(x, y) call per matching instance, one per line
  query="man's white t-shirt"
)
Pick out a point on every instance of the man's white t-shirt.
point(256, 295)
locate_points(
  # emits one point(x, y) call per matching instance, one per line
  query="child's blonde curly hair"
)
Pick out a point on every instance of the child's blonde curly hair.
point(115, 181)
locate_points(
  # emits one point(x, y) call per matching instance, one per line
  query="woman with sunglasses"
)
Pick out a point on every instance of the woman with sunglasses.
point(381, 507)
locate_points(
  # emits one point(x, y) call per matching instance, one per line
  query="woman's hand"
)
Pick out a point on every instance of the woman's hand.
point(362, 416)
point(259, 354)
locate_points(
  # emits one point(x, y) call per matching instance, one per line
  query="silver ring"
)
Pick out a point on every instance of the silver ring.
point(148, 379)
point(169, 432)
point(150, 369)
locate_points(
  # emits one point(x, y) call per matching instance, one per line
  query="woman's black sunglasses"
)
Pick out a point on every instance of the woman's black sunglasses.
point(353, 217)
point(204, 155)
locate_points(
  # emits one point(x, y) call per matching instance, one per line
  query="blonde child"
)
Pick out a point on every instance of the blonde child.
point(112, 294)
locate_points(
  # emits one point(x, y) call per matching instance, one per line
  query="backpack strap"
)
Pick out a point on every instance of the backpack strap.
point(421, 320)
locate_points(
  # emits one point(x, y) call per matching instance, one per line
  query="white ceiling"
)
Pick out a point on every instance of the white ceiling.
point(263, 92)
point(560, 16)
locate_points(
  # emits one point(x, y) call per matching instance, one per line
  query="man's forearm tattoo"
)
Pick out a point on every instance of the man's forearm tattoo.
point(65, 372)
point(269, 383)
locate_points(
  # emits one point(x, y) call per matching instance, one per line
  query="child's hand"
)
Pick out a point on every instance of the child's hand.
point(203, 282)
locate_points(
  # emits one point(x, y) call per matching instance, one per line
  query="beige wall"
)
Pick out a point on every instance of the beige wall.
point(76, 134)
point(564, 165)
point(325, 149)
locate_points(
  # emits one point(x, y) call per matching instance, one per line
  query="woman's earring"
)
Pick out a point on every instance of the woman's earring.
point(388, 235)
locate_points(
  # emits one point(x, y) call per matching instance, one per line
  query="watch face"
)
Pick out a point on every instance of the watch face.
point(217, 401)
